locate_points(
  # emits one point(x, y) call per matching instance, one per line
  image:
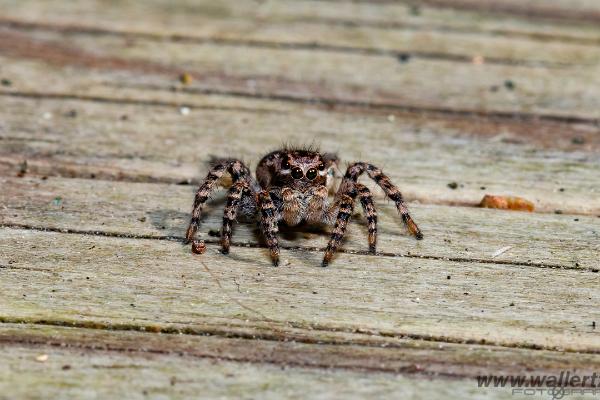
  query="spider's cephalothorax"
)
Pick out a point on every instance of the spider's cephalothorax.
point(292, 187)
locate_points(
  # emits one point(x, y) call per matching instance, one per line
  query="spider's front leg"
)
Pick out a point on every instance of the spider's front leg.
point(346, 206)
point(356, 169)
point(269, 224)
point(234, 196)
point(238, 172)
point(366, 199)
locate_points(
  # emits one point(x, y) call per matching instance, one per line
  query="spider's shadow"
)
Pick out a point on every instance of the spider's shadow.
point(173, 223)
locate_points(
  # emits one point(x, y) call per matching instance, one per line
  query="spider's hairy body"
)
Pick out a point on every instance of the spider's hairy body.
point(292, 187)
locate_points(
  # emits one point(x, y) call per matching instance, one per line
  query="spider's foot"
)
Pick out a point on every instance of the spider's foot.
point(412, 227)
point(225, 245)
point(372, 249)
point(326, 259)
point(198, 247)
point(275, 257)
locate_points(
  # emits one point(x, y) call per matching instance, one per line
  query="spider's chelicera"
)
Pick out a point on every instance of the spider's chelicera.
point(292, 187)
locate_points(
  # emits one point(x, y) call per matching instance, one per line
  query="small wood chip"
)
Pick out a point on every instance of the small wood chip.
point(42, 358)
point(186, 78)
point(501, 251)
point(506, 203)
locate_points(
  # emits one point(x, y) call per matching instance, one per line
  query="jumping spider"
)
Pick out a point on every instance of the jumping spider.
point(292, 186)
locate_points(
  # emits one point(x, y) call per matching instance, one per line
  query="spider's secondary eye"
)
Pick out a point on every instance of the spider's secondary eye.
point(285, 164)
point(311, 174)
point(297, 173)
point(321, 167)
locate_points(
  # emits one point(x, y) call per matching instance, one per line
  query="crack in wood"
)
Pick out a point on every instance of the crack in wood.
point(279, 335)
point(255, 359)
point(342, 103)
point(126, 101)
point(336, 104)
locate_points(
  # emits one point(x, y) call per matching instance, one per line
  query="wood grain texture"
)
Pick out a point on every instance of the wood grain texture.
point(454, 99)
point(421, 155)
point(90, 354)
point(163, 211)
point(331, 34)
point(306, 74)
point(478, 18)
point(70, 373)
point(160, 286)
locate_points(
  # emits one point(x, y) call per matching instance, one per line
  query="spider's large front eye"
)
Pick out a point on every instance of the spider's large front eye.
point(297, 173)
point(311, 174)
point(285, 164)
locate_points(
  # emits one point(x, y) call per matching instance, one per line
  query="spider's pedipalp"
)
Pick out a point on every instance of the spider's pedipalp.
point(238, 171)
point(356, 169)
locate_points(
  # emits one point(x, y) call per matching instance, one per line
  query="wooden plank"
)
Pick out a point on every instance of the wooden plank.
point(319, 75)
point(458, 44)
point(479, 295)
point(406, 361)
point(71, 373)
point(421, 155)
point(160, 286)
point(162, 211)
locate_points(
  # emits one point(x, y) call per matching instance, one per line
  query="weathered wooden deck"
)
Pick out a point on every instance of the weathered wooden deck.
point(101, 146)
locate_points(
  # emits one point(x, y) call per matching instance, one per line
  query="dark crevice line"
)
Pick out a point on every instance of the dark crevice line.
point(135, 102)
point(12, 23)
point(180, 239)
point(337, 103)
point(15, 267)
point(564, 16)
point(277, 335)
point(266, 44)
point(28, 139)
